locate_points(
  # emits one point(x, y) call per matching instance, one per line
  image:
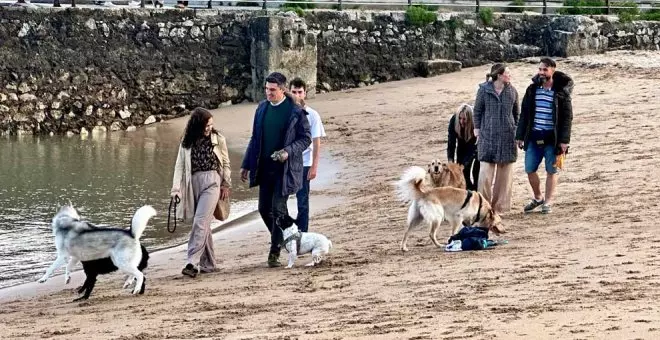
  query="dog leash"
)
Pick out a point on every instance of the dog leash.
point(176, 200)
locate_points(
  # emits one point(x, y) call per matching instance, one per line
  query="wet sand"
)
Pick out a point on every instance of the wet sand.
point(589, 270)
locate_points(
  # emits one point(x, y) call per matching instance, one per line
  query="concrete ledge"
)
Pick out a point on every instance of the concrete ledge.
point(430, 68)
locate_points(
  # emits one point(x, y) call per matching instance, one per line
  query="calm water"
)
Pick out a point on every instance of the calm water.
point(107, 177)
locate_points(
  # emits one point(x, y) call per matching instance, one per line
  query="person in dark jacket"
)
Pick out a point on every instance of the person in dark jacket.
point(461, 132)
point(544, 129)
point(274, 156)
point(496, 111)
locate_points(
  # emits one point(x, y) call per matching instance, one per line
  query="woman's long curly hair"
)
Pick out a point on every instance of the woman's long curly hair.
point(195, 127)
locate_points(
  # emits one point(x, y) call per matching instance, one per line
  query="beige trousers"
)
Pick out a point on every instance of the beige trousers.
point(206, 189)
point(495, 184)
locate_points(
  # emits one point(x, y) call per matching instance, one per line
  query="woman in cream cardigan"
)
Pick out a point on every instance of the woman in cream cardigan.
point(202, 181)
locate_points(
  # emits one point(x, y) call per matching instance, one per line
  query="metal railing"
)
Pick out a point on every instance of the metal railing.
point(475, 5)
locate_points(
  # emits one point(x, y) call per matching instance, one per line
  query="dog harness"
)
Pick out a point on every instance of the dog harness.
point(467, 200)
point(297, 236)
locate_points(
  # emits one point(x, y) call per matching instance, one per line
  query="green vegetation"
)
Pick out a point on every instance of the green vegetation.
point(587, 7)
point(419, 15)
point(517, 9)
point(486, 16)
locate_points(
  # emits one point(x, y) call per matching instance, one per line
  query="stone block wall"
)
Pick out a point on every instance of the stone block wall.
point(75, 70)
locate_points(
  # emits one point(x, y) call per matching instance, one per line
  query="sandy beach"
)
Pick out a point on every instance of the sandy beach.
point(589, 270)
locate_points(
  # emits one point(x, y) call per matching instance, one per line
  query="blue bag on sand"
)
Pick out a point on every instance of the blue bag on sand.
point(471, 238)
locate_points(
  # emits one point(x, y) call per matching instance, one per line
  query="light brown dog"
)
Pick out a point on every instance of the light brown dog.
point(444, 203)
point(446, 175)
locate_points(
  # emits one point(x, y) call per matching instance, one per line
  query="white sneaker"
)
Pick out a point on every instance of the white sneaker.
point(455, 245)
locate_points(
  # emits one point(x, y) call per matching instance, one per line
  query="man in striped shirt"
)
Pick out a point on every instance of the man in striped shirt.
point(544, 129)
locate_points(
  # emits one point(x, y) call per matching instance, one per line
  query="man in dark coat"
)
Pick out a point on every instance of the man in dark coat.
point(544, 129)
point(274, 156)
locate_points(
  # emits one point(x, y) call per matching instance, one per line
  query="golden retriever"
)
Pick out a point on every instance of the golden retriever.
point(444, 203)
point(446, 175)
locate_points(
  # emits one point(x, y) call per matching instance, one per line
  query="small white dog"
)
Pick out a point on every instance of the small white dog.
point(298, 243)
point(77, 240)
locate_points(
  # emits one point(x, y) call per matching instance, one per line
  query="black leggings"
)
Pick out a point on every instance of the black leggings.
point(473, 164)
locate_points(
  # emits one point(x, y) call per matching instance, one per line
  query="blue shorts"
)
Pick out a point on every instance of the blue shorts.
point(535, 153)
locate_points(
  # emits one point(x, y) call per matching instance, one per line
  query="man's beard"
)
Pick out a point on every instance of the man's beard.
point(543, 80)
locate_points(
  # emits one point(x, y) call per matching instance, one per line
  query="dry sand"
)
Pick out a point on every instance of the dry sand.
point(590, 270)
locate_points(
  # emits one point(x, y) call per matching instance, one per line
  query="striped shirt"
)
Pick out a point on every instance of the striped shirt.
point(544, 102)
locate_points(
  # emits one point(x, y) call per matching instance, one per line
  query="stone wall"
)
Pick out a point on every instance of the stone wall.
point(365, 47)
point(283, 44)
point(73, 70)
point(636, 35)
point(362, 48)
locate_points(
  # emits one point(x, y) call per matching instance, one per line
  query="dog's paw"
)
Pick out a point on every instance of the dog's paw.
point(43, 279)
point(289, 266)
point(311, 264)
point(67, 279)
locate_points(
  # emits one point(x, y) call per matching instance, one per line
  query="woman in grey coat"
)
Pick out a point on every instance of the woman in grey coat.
point(496, 112)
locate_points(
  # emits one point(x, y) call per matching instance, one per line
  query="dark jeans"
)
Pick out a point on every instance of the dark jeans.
point(302, 196)
point(272, 207)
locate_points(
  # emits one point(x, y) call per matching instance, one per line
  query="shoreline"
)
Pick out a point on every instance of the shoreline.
point(160, 261)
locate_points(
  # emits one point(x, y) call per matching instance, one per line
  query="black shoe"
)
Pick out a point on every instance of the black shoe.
point(274, 260)
point(190, 270)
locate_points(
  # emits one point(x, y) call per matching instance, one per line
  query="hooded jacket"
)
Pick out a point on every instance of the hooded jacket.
point(562, 109)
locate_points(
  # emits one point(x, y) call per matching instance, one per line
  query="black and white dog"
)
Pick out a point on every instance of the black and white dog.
point(102, 266)
point(77, 240)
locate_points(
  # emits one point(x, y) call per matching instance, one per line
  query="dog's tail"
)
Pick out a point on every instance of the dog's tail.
point(140, 219)
point(409, 186)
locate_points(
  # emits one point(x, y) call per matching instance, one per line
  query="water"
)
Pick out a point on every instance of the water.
point(106, 176)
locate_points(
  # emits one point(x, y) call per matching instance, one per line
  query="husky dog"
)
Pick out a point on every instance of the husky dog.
point(298, 243)
point(78, 240)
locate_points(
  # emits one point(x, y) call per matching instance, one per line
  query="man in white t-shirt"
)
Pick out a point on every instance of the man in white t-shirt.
point(310, 155)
